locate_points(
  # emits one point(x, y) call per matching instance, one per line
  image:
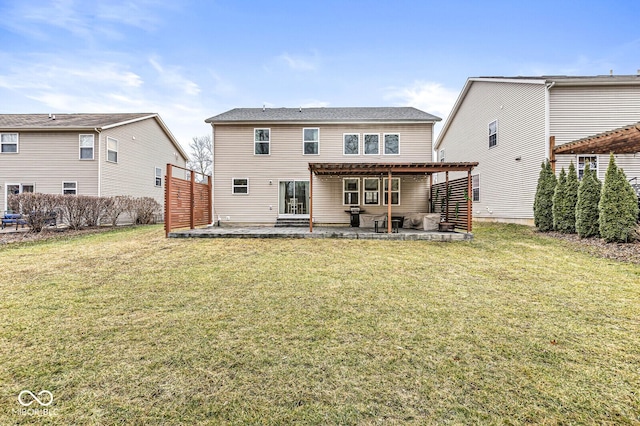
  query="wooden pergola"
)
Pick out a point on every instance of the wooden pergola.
point(625, 140)
point(390, 170)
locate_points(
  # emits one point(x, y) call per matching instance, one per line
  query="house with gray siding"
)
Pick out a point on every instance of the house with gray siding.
point(263, 157)
point(87, 154)
point(510, 125)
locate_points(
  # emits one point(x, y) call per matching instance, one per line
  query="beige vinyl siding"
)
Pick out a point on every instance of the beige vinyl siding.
point(142, 146)
point(507, 185)
point(630, 163)
point(576, 112)
point(46, 159)
point(234, 158)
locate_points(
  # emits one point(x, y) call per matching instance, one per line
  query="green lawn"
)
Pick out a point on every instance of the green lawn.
point(127, 327)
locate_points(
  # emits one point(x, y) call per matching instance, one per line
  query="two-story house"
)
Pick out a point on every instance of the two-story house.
point(510, 125)
point(274, 163)
point(88, 154)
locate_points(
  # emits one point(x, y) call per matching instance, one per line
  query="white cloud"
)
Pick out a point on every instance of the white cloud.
point(430, 97)
point(172, 77)
point(300, 63)
point(314, 103)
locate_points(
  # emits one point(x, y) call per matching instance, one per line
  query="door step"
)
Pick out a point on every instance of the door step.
point(292, 223)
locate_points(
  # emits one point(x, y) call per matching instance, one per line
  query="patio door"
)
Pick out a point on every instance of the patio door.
point(15, 189)
point(293, 198)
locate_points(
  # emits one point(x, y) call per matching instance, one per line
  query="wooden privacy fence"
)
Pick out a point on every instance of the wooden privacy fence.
point(452, 200)
point(187, 203)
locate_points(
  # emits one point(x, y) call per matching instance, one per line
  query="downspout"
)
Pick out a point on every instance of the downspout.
point(213, 169)
point(547, 127)
point(98, 131)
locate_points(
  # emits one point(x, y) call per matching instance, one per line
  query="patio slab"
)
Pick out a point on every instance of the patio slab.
point(319, 232)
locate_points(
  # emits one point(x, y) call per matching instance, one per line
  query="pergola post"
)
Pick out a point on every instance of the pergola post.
point(552, 153)
point(469, 204)
point(389, 203)
point(310, 200)
point(446, 197)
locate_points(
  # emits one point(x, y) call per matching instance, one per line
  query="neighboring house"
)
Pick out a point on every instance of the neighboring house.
point(87, 154)
point(263, 157)
point(510, 125)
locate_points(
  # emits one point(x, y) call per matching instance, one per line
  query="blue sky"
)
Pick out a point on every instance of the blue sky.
point(190, 60)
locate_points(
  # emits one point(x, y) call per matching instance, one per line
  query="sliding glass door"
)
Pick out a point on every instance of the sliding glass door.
point(294, 197)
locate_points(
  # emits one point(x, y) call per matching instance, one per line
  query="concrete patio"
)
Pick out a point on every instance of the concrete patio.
point(319, 232)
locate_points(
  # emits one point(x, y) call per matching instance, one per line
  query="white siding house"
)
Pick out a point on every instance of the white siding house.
point(262, 159)
point(507, 124)
point(85, 154)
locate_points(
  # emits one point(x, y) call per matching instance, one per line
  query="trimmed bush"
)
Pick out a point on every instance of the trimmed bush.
point(567, 220)
point(618, 206)
point(587, 214)
point(543, 203)
point(559, 195)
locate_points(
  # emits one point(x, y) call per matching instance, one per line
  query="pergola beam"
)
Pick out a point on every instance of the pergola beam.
point(625, 140)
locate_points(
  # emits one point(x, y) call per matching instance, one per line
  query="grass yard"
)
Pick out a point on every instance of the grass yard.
point(127, 327)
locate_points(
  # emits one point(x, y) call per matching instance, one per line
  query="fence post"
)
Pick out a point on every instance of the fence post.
point(192, 201)
point(167, 201)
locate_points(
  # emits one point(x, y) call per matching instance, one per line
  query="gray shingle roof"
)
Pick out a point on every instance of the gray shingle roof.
point(579, 79)
point(355, 114)
point(66, 121)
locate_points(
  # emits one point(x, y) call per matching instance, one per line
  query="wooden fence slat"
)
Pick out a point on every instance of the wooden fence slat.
point(187, 203)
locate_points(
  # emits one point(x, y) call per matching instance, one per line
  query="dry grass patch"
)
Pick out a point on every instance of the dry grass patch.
point(128, 327)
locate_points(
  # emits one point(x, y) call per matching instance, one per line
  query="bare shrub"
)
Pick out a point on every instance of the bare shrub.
point(96, 210)
point(114, 207)
point(143, 210)
point(39, 209)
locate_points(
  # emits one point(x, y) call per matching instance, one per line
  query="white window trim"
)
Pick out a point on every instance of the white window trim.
point(473, 186)
point(255, 141)
point(441, 156)
point(587, 156)
point(364, 146)
point(17, 142)
point(117, 150)
point(350, 134)
point(20, 190)
point(234, 186)
point(384, 191)
point(158, 177)
point(75, 183)
point(80, 147)
point(344, 191)
point(384, 143)
point(496, 133)
point(317, 142)
point(365, 191)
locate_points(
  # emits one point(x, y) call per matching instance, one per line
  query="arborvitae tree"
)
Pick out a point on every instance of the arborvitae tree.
point(587, 224)
point(567, 221)
point(618, 206)
point(543, 204)
point(558, 200)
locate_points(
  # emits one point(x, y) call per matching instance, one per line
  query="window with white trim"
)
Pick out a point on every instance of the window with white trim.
point(158, 176)
point(351, 144)
point(371, 188)
point(70, 188)
point(493, 133)
point(240, 186)
point(351, 191)
point(86, 147)
point(392, 144)
point(261, 141)
point(311, 141)
point(475, 187)
point(112, 150)
point(583, 160)
point(8, 143)
point(371, 144)
point(395, 191)
point(441, 156)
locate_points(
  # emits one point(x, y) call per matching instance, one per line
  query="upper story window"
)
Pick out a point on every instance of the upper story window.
point(261, 141)
point(475, 187)
point(441, 156)
point(8, 143)
point(351, 191)
point(86, 147)
point(310, 141)
point(158, 176)
point(351, 144)
point(70, 188)
point(112, 150)
point(391, 144)
point(493, 133)
point(371, 144)
point(583, 160)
